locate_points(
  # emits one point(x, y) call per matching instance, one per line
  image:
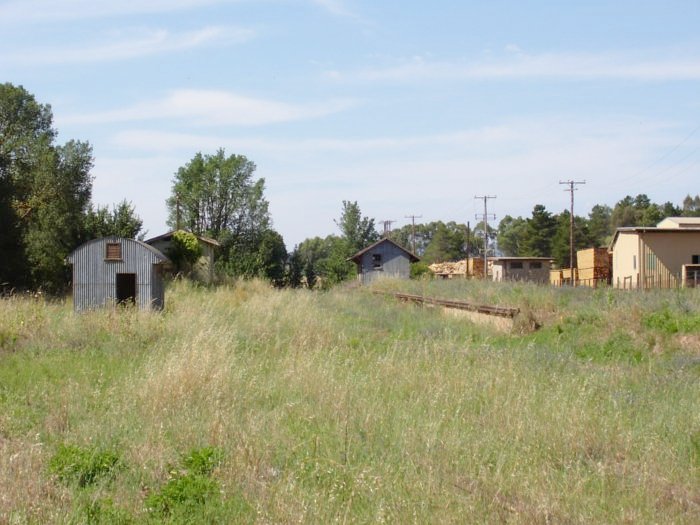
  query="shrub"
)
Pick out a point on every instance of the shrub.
point(671, 323)
point(183, 495)
point(202, 461)
point(184, 250)
point(190, 489)
point(84, 466)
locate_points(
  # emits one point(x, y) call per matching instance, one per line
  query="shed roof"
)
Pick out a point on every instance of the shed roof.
point(358, 256)
point(680, 222)
point(167, 236)
point(653, 229)
point(536, 259)
point(159, 257)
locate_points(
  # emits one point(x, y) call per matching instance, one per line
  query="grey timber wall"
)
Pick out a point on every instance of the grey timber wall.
point(394, 263)
point(95, 276)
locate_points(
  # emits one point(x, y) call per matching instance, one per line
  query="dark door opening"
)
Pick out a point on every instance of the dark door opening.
point(126, 288)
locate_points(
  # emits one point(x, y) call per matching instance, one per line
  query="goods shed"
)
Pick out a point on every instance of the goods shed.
point(115, 270)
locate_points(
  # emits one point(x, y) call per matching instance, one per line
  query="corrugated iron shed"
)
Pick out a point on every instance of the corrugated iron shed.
point(113, 269)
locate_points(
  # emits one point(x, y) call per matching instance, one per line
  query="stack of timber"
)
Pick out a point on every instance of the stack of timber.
point(449, 270)
point(566, 275)
point(472, 267)
point(476, 267)
point(594, 266)
point(555, 277)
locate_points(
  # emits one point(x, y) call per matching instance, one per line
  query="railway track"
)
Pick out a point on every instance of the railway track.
point(498, 311)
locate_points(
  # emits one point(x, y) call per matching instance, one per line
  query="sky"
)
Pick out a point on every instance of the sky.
point(408, 108)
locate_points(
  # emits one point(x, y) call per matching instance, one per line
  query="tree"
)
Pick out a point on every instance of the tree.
point(691, 206)
point(540, 230)
point(511, 235)
point(447, 243)
point(562, 237)
point(217, 195)
point(271, 257)
point(121, 221)
point(326, 258)
point(358, 231)
point(44, 193)
point(599, 224)
point(295, 269)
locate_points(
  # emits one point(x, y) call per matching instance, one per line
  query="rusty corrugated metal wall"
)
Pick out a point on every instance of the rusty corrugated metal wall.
point(95, 277)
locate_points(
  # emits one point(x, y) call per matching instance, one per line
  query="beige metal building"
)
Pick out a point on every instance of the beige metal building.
point(665, 256)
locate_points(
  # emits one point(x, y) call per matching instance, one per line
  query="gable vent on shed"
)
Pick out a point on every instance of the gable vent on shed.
point(113, 251)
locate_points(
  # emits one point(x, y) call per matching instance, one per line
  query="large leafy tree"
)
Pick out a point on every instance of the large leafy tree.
point(120, 221)
point(447, 242)
point(218, 196)
point(44, 193)
point(511, 235)
point(358, 231)
point(453, 237)
point(325, 258)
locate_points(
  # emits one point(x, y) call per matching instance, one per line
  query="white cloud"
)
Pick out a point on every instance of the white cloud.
point(517, 64)
point(436, 175)
point(128, 45)
point(43, 10)
point(211, 107)
point(336, 7)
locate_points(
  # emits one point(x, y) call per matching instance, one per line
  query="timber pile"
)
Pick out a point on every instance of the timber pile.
point(449, 269)
point(594, 266)
point(474, 267)
point(555, 277)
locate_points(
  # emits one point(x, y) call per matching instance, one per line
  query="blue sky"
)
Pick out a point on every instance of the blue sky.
point(409, 108)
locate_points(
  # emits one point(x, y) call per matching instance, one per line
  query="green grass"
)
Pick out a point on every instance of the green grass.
point(248, 404)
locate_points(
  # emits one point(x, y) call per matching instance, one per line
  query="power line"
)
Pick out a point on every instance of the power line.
point(413, 228)
point(485, 218)
point(387, 227)
point(571, 190)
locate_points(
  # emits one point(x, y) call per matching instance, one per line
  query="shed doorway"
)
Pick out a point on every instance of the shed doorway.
point(126, 288)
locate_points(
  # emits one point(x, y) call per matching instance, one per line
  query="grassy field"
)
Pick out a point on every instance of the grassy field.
point(252, 405)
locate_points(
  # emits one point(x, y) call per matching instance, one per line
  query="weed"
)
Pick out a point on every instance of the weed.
point(103, 511)
point(202, 461)
point(672, 323)
point(184, 495)
point(190, 492)
point(83, 466)
point(619, 346)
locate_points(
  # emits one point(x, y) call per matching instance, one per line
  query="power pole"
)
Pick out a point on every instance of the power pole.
point(571, 190)
point(387, 227)
point(466, 272)
point(413, 229)
point(485, 218)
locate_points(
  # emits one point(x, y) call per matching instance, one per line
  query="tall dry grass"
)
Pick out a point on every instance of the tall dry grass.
point(348, 407)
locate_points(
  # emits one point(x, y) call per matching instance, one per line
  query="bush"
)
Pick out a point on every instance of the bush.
point(672, 323)
point(184, 250)
point(189, 490)
point(84, 466)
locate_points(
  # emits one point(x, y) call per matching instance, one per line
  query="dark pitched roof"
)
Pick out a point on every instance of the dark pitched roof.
point(356, 258)
point(169, 235)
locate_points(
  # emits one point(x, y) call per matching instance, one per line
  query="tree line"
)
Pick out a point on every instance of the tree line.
point(46, 211)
